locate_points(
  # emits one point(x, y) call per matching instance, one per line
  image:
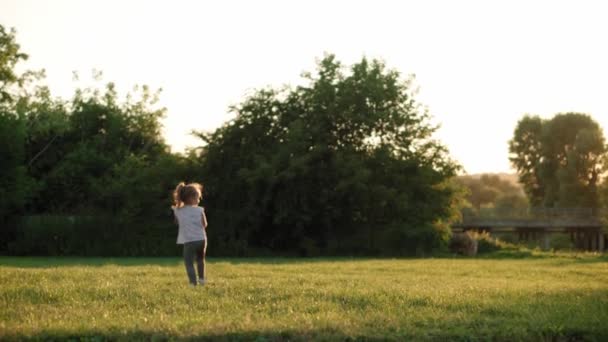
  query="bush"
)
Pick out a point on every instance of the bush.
point(463, 243)
point(561, 242)
point(486, 243)
point(55, 235)
point(471, 243)
point(506, 237)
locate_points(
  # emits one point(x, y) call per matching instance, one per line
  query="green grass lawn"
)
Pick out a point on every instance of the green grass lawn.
point(548, 298)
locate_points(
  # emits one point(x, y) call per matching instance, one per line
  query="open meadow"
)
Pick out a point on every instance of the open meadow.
point(537, 298)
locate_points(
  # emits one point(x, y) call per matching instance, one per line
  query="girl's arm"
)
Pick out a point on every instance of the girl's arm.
point(174, 216)
point(204, 219)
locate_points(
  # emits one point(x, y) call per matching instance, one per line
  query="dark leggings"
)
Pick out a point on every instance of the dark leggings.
point(195, 250)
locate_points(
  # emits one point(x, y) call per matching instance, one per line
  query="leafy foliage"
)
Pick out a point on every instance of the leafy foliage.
point(14, 182)
point(560, 161)
point(492, 191)
point(344, 164)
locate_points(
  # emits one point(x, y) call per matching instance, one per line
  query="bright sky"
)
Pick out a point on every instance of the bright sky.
point(480, 65)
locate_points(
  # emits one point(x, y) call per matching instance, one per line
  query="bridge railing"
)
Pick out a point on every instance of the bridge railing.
point(534, 213)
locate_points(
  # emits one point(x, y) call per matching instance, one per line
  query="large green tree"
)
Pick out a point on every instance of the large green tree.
point(345, 163)
point(559, 160)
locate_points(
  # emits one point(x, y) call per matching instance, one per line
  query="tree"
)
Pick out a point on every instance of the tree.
point(492, 191)
point(14, 183)
point(343, 164)
point(10, 56)
point(526, 156)
point(603, 190)
point(75, 148)
point(73, 173)
point(559, 161)
point(13, 177)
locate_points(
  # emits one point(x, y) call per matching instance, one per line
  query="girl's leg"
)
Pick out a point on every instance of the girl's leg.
point(200, 260)
point(189, 255)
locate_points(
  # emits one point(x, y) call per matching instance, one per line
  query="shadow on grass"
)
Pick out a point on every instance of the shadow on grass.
point(96, 336)
point(50, 262)
point(47, 262)
point(578, 257)
point(297, 260)
point(313, 335)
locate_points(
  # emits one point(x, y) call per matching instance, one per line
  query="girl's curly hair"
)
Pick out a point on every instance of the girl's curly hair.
point(187, 194)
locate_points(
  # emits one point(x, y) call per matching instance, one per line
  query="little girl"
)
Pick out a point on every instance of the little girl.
point(192, 224)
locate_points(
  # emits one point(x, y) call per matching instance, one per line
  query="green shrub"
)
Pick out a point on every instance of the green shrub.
point(463, 243)
point(487, 243)
point(561, 242)
point(58, 235)
point(472, 243)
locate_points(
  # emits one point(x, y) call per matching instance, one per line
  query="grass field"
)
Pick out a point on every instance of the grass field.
point(544, 298)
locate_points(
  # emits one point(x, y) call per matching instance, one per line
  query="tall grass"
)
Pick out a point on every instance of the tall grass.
point(545, 298)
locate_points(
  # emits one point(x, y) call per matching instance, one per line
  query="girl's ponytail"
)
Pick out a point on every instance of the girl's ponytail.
point(178, 195)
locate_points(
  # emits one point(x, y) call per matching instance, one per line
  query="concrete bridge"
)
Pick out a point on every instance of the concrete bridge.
point(583, 225)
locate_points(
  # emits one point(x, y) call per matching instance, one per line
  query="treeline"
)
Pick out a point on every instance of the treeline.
point(344, 164)
point(81, 176)
point(500, 193)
